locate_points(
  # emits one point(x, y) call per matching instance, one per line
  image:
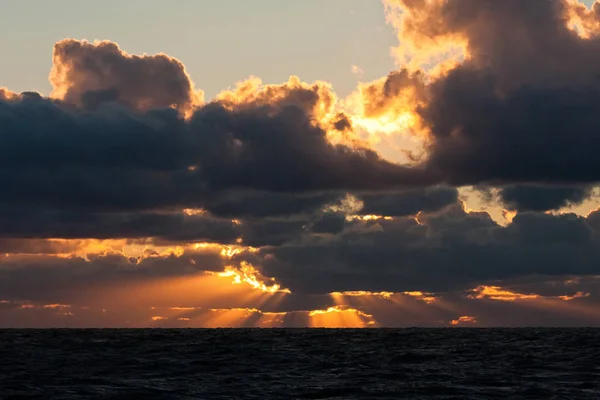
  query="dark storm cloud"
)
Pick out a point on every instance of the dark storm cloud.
point(72, 224)
point(444, 251)
point(330, 222)
point(261, 204)
point(522, 107)
point(527, 136)
point(112, 172)
point(408, 202)
point(277, 231)
point(593, 219)
point(271, 232)
point(252, 204)
point(547, 231)
point(542, 197)
point(119, 159)
point(284, 152)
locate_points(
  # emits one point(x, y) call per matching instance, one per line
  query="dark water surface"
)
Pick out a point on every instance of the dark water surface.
point(300, 364)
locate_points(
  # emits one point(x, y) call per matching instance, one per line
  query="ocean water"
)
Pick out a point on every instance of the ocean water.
point(300, 364)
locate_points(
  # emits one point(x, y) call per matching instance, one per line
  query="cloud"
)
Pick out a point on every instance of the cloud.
point(21, 222)
point(548, 124)
point(535, 96)
point(593, 219)
point(399, 90)
point(504, 93)
point(409, 202)
point(543, 198)
point(262, 204)
point(448, 250)
point(445, 251)
point(89, 74)
point(108, 158)
point(356, 70)
point(6, 94)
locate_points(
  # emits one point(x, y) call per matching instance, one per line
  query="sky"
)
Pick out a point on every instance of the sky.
point(220, 43)
point(337, 163)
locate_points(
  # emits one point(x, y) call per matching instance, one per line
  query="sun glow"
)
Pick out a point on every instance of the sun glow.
point(386, 124)
point(497, 293)
point(239, 318)
point(194, 211)
point(340, 317)
point(509, 215)
point(362, 293)
point(232, 251)
point(368, 218)
point(578, 295)
point(464, 320)
point(582, 19)
point(246, 273)
point(500, 294)
point(425, 297)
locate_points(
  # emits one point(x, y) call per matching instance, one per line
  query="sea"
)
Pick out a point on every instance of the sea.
point(300, 364)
